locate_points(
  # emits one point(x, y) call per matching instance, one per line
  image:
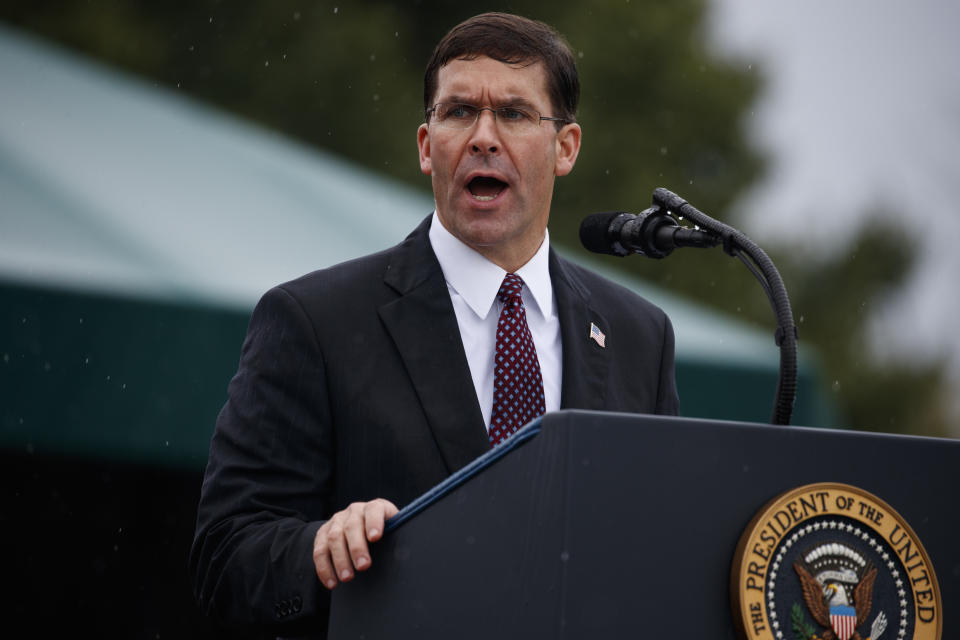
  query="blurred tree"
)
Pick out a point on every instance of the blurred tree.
point(659, 108)
point(833, 300)
point(347, 76)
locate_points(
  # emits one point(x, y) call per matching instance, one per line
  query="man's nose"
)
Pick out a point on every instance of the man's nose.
point(485, 134)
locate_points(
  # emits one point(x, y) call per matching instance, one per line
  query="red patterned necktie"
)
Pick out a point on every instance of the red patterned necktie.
point(517, 383)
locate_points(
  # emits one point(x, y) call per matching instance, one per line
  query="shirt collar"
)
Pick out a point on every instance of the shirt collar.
point(478, 280)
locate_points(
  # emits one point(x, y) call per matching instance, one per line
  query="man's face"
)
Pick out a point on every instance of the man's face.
point(493, 187)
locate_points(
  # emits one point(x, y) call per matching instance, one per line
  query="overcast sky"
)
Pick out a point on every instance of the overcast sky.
point(861, 111)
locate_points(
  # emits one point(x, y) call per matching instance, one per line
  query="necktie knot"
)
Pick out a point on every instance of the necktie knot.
point(510, 289)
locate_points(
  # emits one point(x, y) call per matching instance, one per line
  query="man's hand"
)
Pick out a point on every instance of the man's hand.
point(340, 546)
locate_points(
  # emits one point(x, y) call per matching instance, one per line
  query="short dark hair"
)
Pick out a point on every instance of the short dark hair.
point(510, 39)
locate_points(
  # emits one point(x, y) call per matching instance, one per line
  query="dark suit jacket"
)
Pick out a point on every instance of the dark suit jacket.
point(353, 384)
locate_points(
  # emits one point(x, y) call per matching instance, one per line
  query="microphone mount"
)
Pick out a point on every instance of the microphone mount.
point(655, 233)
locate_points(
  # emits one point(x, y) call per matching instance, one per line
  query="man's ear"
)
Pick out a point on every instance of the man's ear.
point(568, 148)
point(423, 144)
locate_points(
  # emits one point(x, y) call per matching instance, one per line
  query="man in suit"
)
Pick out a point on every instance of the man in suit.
point(363, 385)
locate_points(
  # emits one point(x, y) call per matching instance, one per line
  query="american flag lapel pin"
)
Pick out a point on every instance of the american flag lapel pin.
point(597, 336)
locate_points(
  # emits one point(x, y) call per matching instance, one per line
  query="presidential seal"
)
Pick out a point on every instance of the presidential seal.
point(831, 561)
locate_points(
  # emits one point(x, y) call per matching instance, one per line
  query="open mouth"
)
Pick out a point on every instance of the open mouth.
point(484, 188)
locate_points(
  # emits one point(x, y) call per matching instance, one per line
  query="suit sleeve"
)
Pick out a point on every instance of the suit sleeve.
point(269, 479)
point(668, 400)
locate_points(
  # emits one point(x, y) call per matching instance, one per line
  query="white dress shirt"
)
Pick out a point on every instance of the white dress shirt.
point(473, 283)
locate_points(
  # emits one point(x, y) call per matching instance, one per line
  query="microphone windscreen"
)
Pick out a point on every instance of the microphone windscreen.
point(595, 232)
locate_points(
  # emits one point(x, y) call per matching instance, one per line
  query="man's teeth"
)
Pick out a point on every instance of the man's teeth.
point(485, 189)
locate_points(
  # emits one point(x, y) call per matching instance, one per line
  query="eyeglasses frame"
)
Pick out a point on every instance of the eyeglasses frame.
point(492, 110)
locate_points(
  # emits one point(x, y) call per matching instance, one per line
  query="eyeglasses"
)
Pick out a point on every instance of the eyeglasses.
point(455, 115)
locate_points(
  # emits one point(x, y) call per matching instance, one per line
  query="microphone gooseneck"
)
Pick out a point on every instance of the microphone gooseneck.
point(655, 233)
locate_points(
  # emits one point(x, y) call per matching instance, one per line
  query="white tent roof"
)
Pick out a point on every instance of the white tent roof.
point(110, 183)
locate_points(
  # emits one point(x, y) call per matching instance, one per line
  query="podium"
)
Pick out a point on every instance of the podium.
point(589, 524)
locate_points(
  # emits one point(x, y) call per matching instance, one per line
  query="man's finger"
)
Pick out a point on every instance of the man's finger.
point(339, 555)
point(321, 559)
point(355, 536)
point(376, 514)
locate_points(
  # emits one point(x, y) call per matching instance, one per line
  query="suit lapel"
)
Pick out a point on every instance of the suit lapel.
point(585, 363)
point(424, 328)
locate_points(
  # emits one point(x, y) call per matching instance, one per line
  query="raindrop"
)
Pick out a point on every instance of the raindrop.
point(836, 385)
point(123, 386)
point(266, 63)
point(581, 54)
point(564, 556)
point(336, 10)
point(6, 358)
point(166, 443)
point(296, 15)
point(373, 57)
point(663, 152)
point(46, 366)
point(801, 318)
point(81, 320)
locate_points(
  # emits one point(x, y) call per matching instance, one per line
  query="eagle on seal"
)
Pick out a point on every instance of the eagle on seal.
point(827, 574)
point(821, 599)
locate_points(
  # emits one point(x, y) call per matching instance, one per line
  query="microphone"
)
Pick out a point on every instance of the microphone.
point(652, 233)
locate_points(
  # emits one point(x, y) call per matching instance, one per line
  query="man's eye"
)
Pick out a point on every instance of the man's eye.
point(512, 114)
point(460, 112)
